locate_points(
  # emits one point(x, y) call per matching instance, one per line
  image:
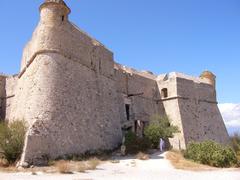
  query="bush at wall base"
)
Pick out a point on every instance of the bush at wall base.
point(211, 153)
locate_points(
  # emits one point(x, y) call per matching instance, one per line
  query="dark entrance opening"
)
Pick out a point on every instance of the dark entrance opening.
point(127, 107)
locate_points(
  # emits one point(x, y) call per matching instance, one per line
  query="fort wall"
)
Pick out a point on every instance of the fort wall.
point(2, 96)
point(75, 98)
point(65, 39)
point(11, 83)
point(191, 105)
point(201, 119)
point(140, 91)
point(67, 94)
point(73, 101)
point(167, 85)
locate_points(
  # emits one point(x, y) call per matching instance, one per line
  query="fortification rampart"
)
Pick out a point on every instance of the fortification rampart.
point(2, 96)
point(67, 40)
point(167, 85)
point(2, 86)
point(140, 91)
point(10, 87)
point(65, 87)
point(196, 113)
point(201, 118)
point(68, 98)
point(75, 98)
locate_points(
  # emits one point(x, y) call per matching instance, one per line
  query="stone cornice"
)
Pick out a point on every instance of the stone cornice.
point(55, 51)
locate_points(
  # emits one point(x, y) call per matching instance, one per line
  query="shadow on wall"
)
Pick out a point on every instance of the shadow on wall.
point(2, 97)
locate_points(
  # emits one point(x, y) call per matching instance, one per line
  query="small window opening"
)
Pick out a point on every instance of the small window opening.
point(164, 93)
point(63, 18)
point(127, 107)
point(100, 66)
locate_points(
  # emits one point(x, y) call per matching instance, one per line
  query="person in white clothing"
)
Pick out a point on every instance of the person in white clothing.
point(161, 145)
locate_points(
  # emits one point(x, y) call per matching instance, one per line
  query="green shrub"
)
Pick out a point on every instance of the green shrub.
point(159, 127)
point(235, 139)
point(211, 153)
point(136, 144)
point(12, 139)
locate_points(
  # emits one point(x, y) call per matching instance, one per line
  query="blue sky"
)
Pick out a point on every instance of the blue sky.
point(187, 36)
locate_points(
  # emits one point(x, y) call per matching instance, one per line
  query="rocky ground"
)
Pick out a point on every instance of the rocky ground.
point(157, 167)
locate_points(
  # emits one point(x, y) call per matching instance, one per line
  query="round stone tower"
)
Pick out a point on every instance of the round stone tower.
point(210, 76)
point(54, 11)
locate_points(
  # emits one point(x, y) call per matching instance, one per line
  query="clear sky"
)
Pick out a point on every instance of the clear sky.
point(187, 36)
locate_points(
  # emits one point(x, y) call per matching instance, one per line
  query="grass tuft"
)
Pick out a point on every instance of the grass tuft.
point(179, 162)
point(3, 163)
point(142, 156)
point(63, 167)
point(81, 167)
point(93, 163)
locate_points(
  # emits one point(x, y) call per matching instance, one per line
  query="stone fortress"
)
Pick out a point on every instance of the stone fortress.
point(75, 98)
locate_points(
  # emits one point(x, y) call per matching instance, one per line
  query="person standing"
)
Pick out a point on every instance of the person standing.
point(161, 145)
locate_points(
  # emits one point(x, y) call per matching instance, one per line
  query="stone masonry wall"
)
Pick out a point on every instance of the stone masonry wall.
point(200, 115)
point(11, 83)
point(67, 94)
point(171, 106)
point(142, 93)
point(2, 96)
point(145, 105)
point(73, 110)
point(191, 105)
point(72, 95)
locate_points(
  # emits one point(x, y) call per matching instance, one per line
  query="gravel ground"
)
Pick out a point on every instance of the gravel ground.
point(157, 168)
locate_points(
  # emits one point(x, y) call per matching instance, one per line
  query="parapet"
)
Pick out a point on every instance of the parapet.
point(55, 34)
point(174, 75)
point(131, 71)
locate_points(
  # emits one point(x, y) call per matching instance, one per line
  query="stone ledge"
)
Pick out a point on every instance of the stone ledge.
point(185, 98)
point(55, 51)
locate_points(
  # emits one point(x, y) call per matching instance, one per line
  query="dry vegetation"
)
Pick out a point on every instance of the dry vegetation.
point(61, 166)
point(93, 163)
point(179, 162)
point(68, 167)
point(142, 156)
point(3, 163)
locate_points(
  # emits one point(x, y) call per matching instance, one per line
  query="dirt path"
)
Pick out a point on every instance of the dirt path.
point(154, 169)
